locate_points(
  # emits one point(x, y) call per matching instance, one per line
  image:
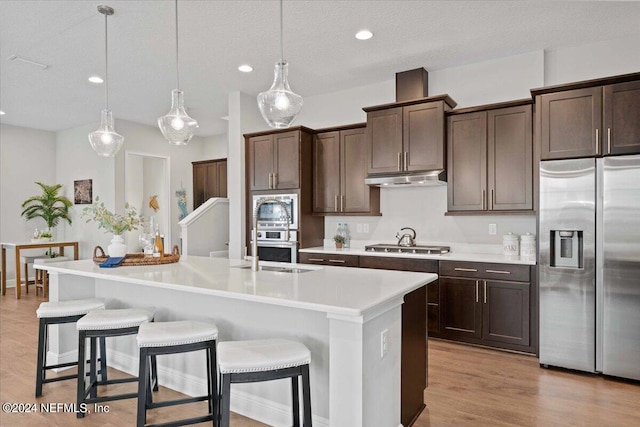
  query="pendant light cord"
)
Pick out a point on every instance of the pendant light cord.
point(177, 67)
point(281, 35)
point(106, 64)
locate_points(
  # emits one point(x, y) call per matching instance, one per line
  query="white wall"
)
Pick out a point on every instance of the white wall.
point(215, 147)
point(26, 156)
point(591, 61)
point(76, 160)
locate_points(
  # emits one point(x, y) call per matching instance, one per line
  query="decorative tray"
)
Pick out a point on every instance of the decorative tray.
point(139, 259)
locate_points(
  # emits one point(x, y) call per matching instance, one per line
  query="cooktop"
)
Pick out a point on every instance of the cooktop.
point(420, 249)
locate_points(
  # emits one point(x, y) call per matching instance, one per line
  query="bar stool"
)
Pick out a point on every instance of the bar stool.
point(170, 338)
point(265, 360)
point(42, 277)
point(26, 260)
point(102, 324)
point(57, 313)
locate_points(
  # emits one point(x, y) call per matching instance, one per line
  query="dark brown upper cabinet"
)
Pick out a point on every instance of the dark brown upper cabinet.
point(490, 159)
point(339, 170)
point(407, 136)
point(209, 180)
point(588, 119)
point(274, 159)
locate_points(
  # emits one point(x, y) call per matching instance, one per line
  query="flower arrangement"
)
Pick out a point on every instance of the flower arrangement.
point(112, 222)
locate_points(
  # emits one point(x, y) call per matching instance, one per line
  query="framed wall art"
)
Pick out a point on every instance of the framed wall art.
point(83, 192)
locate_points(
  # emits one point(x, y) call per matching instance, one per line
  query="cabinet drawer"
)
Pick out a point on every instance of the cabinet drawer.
point(481, 270)
point(402, 264)
point(329, 259)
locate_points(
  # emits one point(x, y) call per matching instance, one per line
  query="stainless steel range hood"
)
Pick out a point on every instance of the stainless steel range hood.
point(428, 178)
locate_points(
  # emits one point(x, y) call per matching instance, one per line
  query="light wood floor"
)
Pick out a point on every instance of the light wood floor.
point(468, 386)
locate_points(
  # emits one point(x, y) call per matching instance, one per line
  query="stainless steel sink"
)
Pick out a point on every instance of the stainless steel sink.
point(279, 269)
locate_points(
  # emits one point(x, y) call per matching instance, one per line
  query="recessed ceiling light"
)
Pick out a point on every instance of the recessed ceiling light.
point(96, 79)
point(245, 68)
point(1, 113)
point(364, 35)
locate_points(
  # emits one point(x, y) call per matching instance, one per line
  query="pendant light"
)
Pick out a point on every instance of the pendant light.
point(106, 141)
point(280, 105)
point(176, 126)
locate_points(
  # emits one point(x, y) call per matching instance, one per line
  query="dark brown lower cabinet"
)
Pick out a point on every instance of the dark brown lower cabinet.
point(209, 180)
point(479, 307)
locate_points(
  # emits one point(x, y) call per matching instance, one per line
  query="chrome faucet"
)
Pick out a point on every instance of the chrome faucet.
point(254, 243)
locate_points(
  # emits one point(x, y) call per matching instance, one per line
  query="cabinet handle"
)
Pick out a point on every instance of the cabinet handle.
point(316, 259)
point(477, 298)
point(485, 291)
point(597, 138)
point(498, 271)
point(484, 199)
point(339, 261)
point(275, 180)
point(473, 270)
point(270, 181)
point(399, 169)
point(336, 209)
point(405, 161)
point(608, 140)
point(493, 199)
point(342, 200)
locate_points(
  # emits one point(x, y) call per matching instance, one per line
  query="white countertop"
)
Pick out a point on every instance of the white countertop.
point(336, 290)
point(451, 256)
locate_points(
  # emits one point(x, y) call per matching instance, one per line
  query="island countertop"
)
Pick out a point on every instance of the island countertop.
point(336, 290)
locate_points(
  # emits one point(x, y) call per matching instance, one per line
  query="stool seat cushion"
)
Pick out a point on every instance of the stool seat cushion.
point(69, 308)
point(164, 334)
point(261, 355)
point(46, 260)
point(28, 259)
point(114, 319)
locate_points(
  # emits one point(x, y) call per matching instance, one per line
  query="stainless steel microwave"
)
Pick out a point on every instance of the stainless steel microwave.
point(271, 213)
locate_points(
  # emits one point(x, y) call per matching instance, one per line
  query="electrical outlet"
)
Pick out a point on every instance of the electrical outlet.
point(365, 228)
point(384, 336)
point(359, 228)
point(493, 229)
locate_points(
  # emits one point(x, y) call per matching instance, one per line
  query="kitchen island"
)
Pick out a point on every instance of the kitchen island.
point(340, 314)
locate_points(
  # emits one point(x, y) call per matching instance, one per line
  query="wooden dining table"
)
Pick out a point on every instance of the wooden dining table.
point(17, 247)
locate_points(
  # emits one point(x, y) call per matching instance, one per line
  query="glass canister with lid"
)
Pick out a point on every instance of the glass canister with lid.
point(510, 245)
point(528, 245)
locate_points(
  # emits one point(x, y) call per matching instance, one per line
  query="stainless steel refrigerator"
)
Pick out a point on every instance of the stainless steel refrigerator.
point(589, 261)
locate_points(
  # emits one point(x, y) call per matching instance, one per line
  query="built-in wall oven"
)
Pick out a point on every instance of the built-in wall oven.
point(272, 225)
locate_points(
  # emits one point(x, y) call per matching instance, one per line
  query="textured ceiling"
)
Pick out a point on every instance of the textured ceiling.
point(217, 36)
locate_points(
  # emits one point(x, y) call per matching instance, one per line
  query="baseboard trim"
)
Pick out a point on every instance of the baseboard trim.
point(246, 404)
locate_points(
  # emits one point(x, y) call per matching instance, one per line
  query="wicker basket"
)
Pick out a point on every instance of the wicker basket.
point(139, 259)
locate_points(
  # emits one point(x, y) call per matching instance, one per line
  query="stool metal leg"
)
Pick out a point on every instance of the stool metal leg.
point(92, 367)
point(103, 360)
point(143, 391)
point(42, 348)
point(306, 395)
point(81, 366)
point(154, 373)
point(225, 400)
point(295, 400)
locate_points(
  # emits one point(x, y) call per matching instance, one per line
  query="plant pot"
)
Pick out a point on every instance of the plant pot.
point(117, 248)
point(42, 240)
point(338, 245)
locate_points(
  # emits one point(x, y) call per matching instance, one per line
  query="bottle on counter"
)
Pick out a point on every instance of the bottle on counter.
point(159, 247)
point(347, 235)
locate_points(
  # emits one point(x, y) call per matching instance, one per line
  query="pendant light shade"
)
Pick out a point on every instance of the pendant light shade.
point(280, 105)
point(106, 141)
point(176, 126)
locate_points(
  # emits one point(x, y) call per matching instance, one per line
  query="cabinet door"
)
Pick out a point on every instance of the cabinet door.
point(467, 162)
point(199, 184)
point(423, 131)
point(570, 123)
point(353, 170)
point(622, 118)
point(460, 307)
point(212, 184)
point(506, 312)
point(261, 154)
point(384, 140)
point(222, 179)
point(287, 160)
point(326, 172)
point(510, 158)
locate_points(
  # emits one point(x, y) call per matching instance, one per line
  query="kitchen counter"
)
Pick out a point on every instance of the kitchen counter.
point(451, 256)
point(339, 313)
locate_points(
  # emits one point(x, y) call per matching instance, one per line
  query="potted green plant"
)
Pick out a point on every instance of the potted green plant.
point(339, 239)
point(50, 206)
point(114, 223)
